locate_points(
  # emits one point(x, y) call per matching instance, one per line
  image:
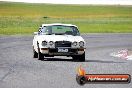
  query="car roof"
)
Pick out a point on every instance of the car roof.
point(58, 24)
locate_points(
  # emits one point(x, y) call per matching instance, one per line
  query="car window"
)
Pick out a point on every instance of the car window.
point(42, 30)
point(60, 30)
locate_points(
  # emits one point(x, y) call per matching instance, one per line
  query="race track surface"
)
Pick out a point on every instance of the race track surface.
point(18, 69)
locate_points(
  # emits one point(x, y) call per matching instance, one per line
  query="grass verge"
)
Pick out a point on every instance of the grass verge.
point(23, 18)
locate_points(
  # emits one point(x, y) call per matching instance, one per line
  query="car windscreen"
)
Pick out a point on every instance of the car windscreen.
point(62, 30)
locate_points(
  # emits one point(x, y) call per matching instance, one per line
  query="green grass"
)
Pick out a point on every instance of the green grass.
point(23, 18)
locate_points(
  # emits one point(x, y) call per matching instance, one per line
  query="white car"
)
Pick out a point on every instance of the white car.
point(58, 40)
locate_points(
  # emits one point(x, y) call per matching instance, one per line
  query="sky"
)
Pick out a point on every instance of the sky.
point(109, 2)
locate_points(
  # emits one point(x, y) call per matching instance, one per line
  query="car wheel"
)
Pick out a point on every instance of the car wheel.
point(79, 57)
point(74, 58)
point(40, 55)
point(35, 54)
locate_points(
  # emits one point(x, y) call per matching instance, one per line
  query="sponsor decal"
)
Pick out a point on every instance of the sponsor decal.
point(83, 78)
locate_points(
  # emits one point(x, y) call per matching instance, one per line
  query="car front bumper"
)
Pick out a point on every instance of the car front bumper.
point(54, 51)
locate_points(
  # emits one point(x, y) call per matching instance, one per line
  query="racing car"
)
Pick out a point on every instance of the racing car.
point(58, 39)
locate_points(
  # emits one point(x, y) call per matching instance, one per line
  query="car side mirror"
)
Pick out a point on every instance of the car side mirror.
point(35, 33)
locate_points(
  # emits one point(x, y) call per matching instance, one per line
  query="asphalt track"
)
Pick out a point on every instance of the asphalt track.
point(19, 70)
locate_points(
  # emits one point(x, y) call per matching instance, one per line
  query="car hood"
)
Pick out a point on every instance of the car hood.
point(60, 38)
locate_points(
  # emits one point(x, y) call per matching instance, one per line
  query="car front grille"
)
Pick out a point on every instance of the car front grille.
point(62, 44)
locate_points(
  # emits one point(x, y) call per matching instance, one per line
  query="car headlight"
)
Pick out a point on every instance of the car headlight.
point(51, 43)
point(44, 43)
point(74, 43)
point(81, 43)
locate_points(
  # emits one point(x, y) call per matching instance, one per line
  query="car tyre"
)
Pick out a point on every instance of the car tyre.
point(74, 58)
point(40, 55)
point(82, 57)
point(35, 54)
point(79, 57)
